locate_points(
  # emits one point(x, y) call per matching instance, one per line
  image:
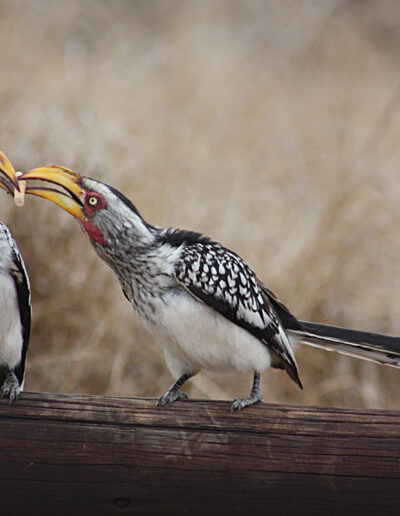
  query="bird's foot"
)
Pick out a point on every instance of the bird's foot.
point(10, 388)
point(240, 403)
point(171, 396)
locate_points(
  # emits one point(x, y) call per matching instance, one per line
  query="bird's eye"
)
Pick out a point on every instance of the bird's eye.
point(93, 201)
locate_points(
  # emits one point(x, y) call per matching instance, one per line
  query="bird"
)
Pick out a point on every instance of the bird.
point(200, 299)
point(15, 302)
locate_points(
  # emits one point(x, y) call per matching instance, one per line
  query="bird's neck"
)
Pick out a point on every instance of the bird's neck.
point(145, 269)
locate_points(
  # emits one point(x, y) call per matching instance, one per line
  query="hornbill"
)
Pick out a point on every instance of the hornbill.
point(201, 299)
point(15, 301)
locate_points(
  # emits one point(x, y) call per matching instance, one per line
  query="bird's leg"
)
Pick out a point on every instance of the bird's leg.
point(255, 396)
point(173, 392)
point(10, 387)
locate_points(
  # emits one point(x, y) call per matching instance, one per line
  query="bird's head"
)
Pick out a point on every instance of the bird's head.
point(8, 177)
point(105, 214)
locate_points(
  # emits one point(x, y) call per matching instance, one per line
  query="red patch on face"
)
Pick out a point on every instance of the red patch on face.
point(93, 231)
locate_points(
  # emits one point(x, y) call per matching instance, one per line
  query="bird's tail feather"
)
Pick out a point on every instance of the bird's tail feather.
point(382, 349)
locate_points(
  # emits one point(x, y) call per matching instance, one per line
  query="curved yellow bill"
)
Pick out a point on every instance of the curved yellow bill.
point(8, 177)
point(60, 176)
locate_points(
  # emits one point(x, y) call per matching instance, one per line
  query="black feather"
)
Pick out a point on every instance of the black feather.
point(177, 237)
point(24, 302)
point(386, 343)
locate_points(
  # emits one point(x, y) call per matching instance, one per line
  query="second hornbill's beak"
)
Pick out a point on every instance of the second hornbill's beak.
point(8, 177)
point(71, 200)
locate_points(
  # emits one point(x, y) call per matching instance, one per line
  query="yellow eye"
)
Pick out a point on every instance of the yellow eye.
point(93, 201)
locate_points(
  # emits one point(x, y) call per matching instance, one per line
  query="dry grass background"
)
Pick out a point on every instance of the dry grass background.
point(272, 126)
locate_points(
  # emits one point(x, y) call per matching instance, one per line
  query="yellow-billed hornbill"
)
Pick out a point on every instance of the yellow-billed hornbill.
point(15, 301)
point(202, 300)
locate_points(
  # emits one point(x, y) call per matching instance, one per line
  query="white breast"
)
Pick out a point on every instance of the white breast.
point(10, 324)
point(197, 337)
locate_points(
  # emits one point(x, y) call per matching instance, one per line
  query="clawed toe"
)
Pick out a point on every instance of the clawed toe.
point(240, 403)
point(10, 388)
point(169, 397)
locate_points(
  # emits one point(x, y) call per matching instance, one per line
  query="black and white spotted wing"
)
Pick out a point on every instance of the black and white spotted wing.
point(222, 280)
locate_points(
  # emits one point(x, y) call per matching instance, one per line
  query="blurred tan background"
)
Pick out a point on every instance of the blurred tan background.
point(271, 126)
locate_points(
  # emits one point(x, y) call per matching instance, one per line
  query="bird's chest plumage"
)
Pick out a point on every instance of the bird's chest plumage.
point(194, 335)
point(10, 323)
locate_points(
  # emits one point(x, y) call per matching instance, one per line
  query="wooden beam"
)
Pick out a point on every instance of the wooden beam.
point(73, 455)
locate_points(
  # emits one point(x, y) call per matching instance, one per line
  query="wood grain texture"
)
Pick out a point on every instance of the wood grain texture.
point(63, 454)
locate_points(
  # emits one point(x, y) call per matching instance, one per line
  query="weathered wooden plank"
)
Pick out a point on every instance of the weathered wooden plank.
point(64, 454)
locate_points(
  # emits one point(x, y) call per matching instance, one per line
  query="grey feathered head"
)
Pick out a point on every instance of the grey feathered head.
point(105, 214)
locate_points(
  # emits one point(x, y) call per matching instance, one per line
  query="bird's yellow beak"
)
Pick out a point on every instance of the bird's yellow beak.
point(71, 200)
point(8, 177)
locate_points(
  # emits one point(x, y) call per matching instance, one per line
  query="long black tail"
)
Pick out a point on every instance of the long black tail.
point(360, 344)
